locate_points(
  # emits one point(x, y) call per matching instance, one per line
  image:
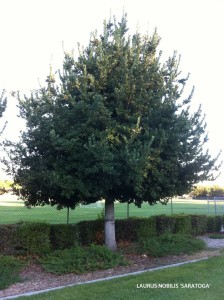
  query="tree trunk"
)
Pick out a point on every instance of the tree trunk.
point(109, 226)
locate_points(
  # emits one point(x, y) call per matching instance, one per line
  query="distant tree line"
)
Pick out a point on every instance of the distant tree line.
point(5, 186)
point(207, 191)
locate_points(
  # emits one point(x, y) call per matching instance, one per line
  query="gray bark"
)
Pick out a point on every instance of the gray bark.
point(109, 226)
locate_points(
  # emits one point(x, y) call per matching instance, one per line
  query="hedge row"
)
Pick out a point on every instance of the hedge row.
point(41, 238)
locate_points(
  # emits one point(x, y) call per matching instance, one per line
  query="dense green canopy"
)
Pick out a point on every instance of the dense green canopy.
point(115, 126)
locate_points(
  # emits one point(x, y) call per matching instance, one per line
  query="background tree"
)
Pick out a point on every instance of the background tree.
point(115, 127)
point(208, 191)
point(3, 103)
point(5, 186)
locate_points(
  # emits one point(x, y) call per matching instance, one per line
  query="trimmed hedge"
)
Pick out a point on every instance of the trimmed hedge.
point(199, 224)
point(6, 239)
point(40, 238)
point(173, 224)
point(32, 238)
point(63, 236)
point(164, 224)
point(214, 224)
point(91, 232)
point(182, 224)
point(135, 229)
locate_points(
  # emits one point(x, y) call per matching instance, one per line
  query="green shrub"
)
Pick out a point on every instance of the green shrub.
point(32, 238)
point(63, 236)
point(171, 244)
point(182, 224)
point(131, 229)
point(134, 229)
point(6, 239)
point(39, 238)
point(214, 223)
point(146, 228)
point(165, 224)
point(198, 224)
point(91, 232)
point(211, 224)
point(9, 271)
point(80, 260)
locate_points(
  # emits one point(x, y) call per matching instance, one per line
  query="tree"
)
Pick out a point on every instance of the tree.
point(3, 103)
point(5, 186)
point(201, 191)
point(207, 191)
point(115, 127)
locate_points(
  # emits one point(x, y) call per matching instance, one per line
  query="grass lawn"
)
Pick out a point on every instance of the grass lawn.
point(13, 210)
point(177, 282)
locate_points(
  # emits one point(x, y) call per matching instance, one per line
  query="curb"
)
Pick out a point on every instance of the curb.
point(102, 279)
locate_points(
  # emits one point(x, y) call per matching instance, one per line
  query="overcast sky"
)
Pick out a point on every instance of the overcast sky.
point(33, 32)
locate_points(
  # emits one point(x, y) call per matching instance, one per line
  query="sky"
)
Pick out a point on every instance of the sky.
point(35, 34)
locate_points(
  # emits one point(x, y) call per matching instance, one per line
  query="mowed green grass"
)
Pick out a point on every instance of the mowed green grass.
point(13, 210)
point(194, 281)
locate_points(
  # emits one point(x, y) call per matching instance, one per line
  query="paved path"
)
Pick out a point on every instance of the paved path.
point(213, 243)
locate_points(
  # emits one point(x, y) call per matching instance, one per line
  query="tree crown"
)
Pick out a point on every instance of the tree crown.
point(117, 126)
